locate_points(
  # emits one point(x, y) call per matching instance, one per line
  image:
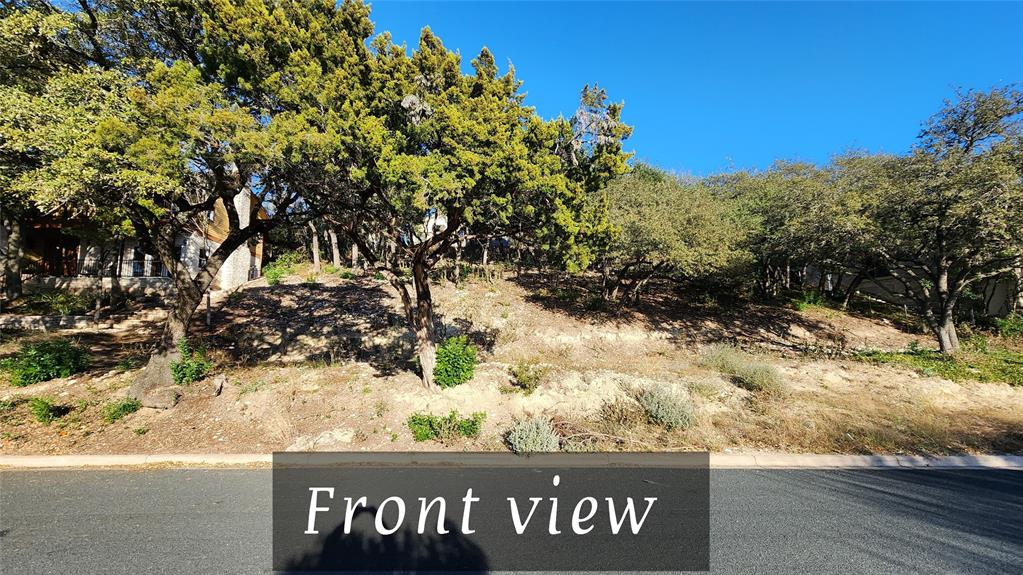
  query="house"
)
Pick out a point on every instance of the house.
point(59, 255)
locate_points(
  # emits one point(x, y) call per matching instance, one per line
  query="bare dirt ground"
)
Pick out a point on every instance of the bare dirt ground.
point(327, 366)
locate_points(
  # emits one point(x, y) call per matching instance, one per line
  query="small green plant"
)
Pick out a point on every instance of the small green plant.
point(193, 366)
point(667, 407)
point(534, 435)
point(60, 302)
point(283, 266)
point(274, 274)
point(114, 411)
point(379, 276)
point(1010, 326)
point(456, 362)
point(331, 269)
point(234, 297)
point(425, 426)
point(810, 299)
point(528, 376)
point(140, 430)
point(44, 361)
point(312, 279)
point(7, 405)
point(44, 410)
point(347, 275)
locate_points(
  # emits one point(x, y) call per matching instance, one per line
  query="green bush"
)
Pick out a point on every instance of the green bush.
point(425, 426)
point(114, 411)
point(44, 361)
point(193, 366)
point(59, 303)
point(1010, 326)
point(44, 410)
point(456, 362)
point(331, 269)
point(528, 376)
point(347, 274)
point(810, 299)
point(745, 371)
point(284, 265)
point(534, 435)
point(666, 406)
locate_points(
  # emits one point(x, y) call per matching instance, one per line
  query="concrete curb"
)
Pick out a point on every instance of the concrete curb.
point(717, 461)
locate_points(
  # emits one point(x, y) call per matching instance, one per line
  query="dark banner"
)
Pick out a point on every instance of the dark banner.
point(338, 512)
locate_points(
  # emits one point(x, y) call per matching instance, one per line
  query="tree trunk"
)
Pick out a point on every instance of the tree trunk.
point(458, 262)
point(948, 339)
point(426, 337)
point(854, 287)
point(155, 385)
point(315, 242)
point(1016, 300)
point(15, 252)
point(335, 249)
point(355, 257)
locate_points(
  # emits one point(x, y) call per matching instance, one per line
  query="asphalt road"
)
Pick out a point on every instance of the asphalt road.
point(808, 521)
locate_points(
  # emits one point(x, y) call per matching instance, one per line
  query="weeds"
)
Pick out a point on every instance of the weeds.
point(528, 376)
point(745, 370)
point(45, 411)
point(976, 362)
point(114, 411)
point(44, 361)
point(425, 426)
point(193, 366)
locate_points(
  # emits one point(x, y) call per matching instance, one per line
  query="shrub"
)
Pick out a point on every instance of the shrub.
point(44, 410)
point(114, 411)
point(528, 376)
point(810, 299)
point(44, 361)
point(666, 406)
point(425, 426)
point(1010, 326)
point(274, 274)
point(347, 274)
point(534, 435)
point(331, 269)
point(283, 265)
point(621, 414)
point(758, 377)
point(59, 302)
point(745, 371)
point(456, 362)
point(193, 366)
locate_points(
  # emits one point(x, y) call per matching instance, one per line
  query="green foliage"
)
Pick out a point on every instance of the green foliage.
point(528, 376)
point(534, 435)
point(456, 362)
point(116, 410)
point(425, 426)
point(973, 363)
point(193, 365)
point(59, 303)
point(746, 371)
point(1011, 326)
point(810, 299)
point(284, 265)
point(667, 406)
point(665, 225)
point(44, 361)
point(44, 410)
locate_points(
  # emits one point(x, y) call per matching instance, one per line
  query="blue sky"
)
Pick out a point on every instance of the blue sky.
point(712, 86)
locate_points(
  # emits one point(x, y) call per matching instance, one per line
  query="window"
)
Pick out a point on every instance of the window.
point(138, 263)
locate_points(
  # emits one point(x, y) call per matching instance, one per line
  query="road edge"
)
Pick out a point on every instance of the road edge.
point(717, 461)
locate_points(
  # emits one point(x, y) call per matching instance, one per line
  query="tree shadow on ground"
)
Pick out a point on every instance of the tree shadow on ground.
point(689, 319)
point(403, 552)
point(357, 320)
